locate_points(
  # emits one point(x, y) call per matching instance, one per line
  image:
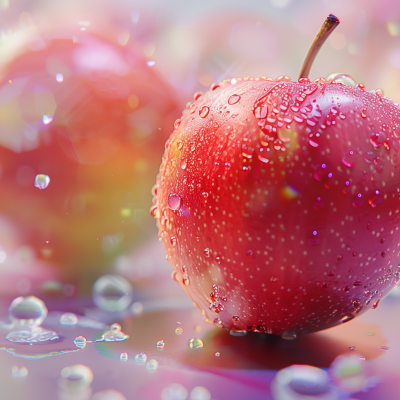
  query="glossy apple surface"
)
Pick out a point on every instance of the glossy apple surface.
point(90, 114)
point(278, 203)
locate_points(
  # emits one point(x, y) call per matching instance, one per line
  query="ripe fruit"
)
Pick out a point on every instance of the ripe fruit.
point(89, 114)
point(278, 202)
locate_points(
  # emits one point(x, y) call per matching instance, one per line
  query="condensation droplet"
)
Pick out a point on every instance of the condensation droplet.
point(174, 201)
point(27, 311)
point(342, 78)
point(80, 341)
point(123, 356)
point(233, 99)
point(204, 111)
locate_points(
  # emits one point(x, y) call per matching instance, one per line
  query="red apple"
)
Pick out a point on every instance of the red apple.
point(90, 114)
point(278, 202)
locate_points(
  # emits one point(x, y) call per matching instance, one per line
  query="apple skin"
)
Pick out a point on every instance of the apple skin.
point(278, 203)
point(110, 115)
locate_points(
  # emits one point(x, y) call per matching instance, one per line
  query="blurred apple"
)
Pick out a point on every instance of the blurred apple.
point(90, 117)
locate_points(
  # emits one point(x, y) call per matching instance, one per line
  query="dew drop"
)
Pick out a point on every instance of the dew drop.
point(123, 356)
point(141, 358)
point(68, 319)
point(174, 201)
point(376, 304)
point(348, 159)
point(112, 293)
point(363, 113)
point(27, 311)
point(342, 78)
point(261, 112)
point(195, 343)
point(80, 341)
point(197, 95)
point(160, 345)
point(75, 378)
point(233, 99)
point(173, 240)
point(377, 139)
point(42, 181)
point(152, 365)
point(204, 111)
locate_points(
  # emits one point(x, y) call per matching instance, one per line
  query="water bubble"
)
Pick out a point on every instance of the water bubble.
point(289, 335)
point(109, 394)
point(59, 77)
point(141, 358)
point(80, 341)
point(175, 391)
point(27, 311)
point(200, 393)
point(75, 378)
point(233, 99)
point(179, 330)
point(204, 111)
point(160, 345)
point(69, 319)
point(42, 181)
point(174, 201)
point(19, 371)
point(302, 381)
point(123, 356)
point(197, 95)
point(112, 293)
point(342, 78)
point(347, 372)
point(195, 343)
point(152, 365)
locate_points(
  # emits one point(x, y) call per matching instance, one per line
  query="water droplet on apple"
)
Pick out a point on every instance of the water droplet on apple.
point(204, 111)
point(261, 112)
point(342, 78)
point(377, 139)
point(174, 201)
point(183, 163)
point(376, 304)
point(348, 159)
point(197, 95)
point(233, 99)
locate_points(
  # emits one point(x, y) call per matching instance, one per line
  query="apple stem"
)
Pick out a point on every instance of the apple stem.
point(326, 29)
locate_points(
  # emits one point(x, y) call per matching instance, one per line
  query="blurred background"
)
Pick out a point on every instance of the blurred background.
point(89, 92)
